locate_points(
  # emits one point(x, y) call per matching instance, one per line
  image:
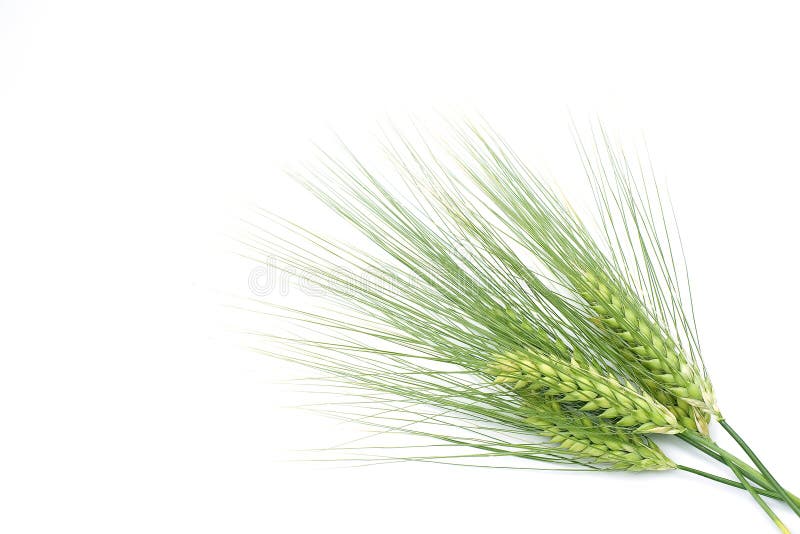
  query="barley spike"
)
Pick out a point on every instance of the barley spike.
point(665, 371)
point(535, 374)
point(585, 440)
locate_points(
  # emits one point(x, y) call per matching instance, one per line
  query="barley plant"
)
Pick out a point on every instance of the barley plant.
point(485, 317)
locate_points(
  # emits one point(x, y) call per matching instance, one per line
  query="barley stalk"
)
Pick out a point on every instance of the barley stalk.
point(481, 268)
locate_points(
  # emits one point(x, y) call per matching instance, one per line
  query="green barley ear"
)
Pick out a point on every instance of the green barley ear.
point(666, 372)
point(536, 375)
point(635, 244)
point(588, 441)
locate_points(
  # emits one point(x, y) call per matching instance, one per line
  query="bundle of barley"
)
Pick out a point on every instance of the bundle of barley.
point(489, 316)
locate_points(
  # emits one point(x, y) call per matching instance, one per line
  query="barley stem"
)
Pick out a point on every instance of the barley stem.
point(728, 482)
point(735, 465)
point(710, 448)
point(764, 506)
point(761, 467)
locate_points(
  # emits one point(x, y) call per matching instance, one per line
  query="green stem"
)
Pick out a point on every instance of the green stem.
point(758, 499)
point(761, 467)
point(767, 493)
point(699, 442)
point(709, 447)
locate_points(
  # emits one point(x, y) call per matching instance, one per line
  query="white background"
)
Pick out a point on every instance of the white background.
point(134, 135)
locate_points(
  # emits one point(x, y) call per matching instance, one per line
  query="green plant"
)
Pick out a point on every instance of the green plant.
point(604, 444)
point(485, 313)
point(538, 375)
point(658, 362)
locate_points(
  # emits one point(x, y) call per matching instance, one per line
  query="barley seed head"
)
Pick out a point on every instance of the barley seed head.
point(535, 374)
